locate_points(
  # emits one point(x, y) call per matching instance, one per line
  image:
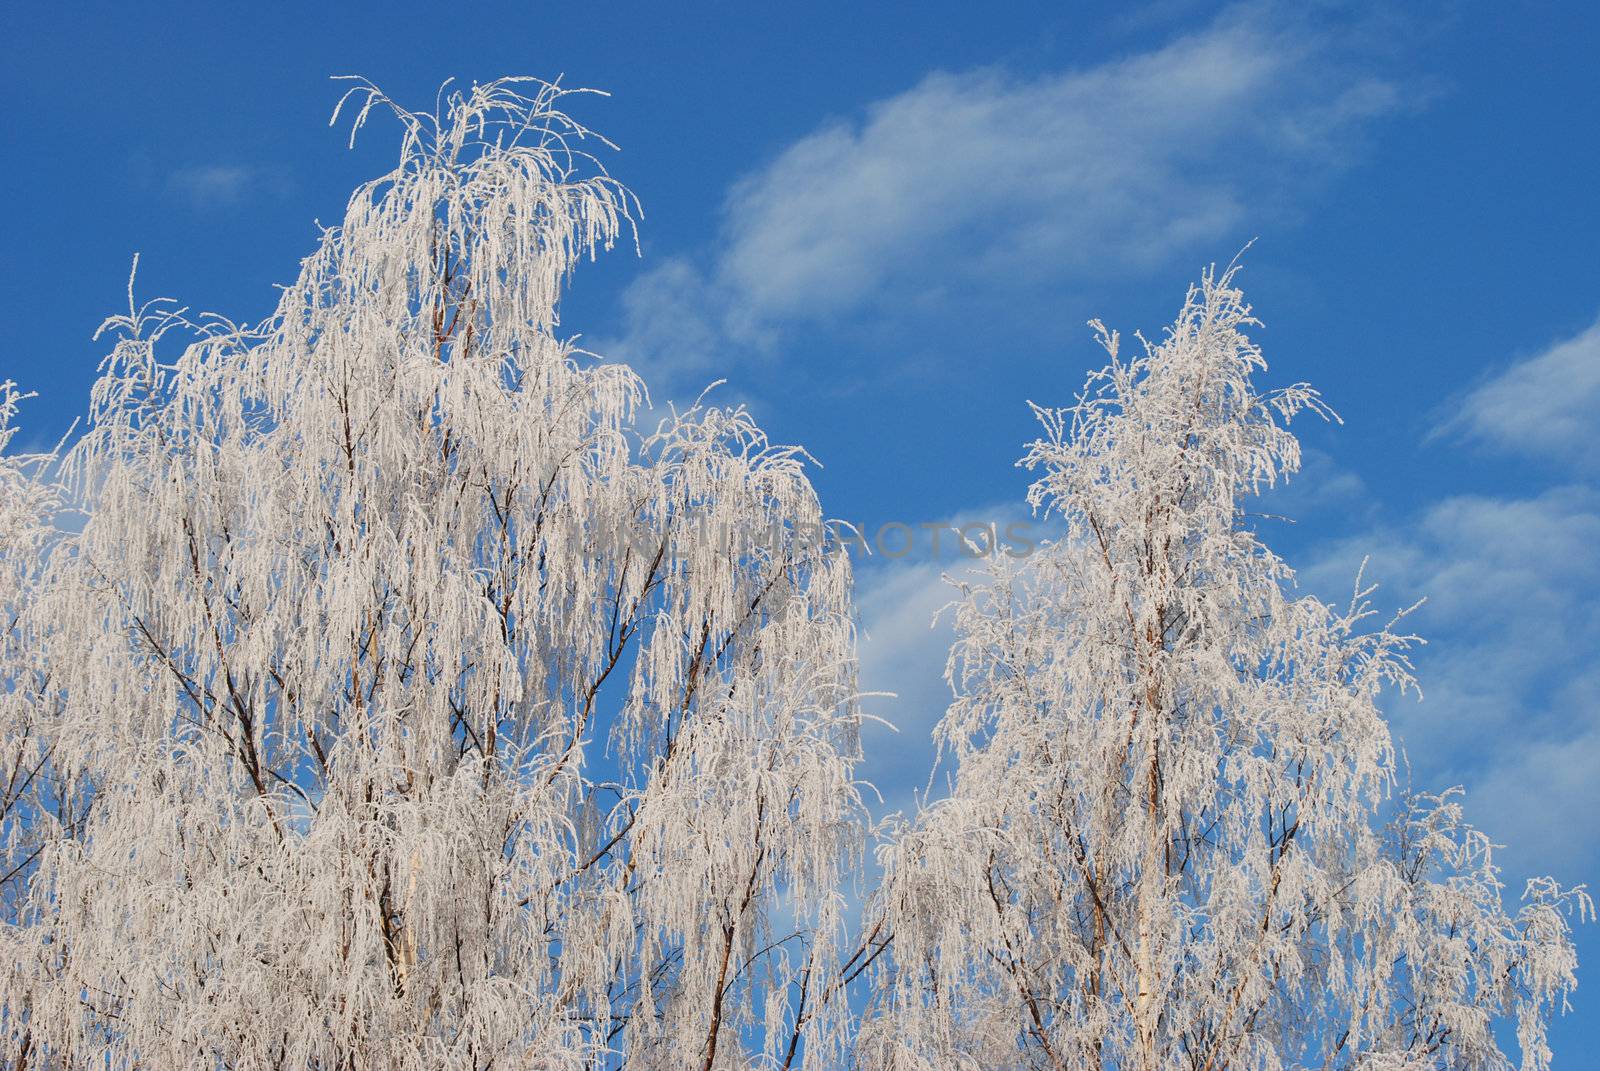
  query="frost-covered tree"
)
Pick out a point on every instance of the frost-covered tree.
point(32, 796)
point(1167, 843)
point(404, 702)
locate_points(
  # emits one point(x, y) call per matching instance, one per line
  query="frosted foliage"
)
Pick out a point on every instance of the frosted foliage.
point(408, 706)
point(1170, 842)
point(33, 796)
point(379, 691)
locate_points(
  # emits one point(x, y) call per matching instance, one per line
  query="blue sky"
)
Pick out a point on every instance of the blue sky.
point(887, 232)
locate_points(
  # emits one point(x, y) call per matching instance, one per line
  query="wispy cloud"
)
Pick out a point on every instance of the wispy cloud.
point(1547, 405)
point(219, 185)
point(1509, 673)
point(680, 327)
point(1513, 706)
point(905, 640)
point(983, 180)
point(1322, 491)
point(903, 650)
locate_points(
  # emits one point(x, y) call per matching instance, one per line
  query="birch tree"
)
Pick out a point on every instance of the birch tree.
point(31, 795)
point(424, 707)
point(1171, 840)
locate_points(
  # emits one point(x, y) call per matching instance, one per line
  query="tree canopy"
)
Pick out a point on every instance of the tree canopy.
point(385, 685)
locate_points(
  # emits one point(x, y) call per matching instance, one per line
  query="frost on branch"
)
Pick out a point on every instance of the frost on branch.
point(377, 694)
point(403, 704)
point(1165, 846)
point(37, 803)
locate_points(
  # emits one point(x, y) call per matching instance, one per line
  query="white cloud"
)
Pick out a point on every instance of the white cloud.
point(1119, 164)
point(680, 325)
point(219, 185)
point(1541, 802)
point(1546, 405)
point(1322, 491)
point(903, 652)
point(986, 180)
point(1512, 707)
point(903, 649)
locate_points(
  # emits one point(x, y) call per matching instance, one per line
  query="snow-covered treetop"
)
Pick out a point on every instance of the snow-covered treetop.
point(379, 690)
point(427, 710)
point(1164, 845)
